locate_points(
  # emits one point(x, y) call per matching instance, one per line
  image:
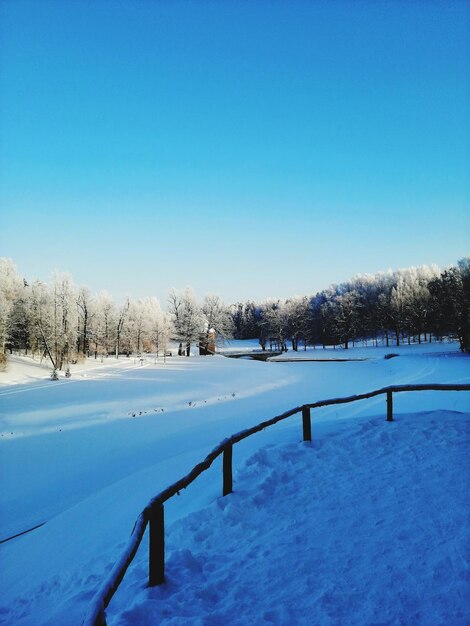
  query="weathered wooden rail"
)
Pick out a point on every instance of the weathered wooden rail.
point(153, 514)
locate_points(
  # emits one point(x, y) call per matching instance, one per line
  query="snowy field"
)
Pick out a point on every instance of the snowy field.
point(368, 525)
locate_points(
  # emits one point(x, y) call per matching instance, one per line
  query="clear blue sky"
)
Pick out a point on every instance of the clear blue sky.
point(251, 149)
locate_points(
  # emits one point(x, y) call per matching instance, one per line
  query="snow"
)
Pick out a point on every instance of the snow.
point(368, 525)
point(85, 455)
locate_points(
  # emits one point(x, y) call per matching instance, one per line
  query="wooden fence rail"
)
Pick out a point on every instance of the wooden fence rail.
point(153, 514)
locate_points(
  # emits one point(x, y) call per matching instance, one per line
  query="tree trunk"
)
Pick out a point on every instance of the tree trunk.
point(85, 330)
point(106, 338)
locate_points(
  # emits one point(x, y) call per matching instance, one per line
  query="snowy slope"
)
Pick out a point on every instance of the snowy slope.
point(84, 455)
point(368, 525)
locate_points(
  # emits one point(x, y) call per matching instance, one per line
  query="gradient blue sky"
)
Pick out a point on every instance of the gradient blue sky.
point(251, 149)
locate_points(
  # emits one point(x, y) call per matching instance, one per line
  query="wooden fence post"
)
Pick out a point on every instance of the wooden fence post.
point(227, 470)
point(389, 407)
point(306, 424)
point(157, 546)
point(101, 619)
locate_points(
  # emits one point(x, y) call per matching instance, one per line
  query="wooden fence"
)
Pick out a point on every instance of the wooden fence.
point(153, 514)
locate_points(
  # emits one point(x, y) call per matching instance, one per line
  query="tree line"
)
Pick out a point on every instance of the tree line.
point(65, 323)
point(415, 304)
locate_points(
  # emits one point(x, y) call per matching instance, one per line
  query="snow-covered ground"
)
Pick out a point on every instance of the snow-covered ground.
point(369, 525)
point(85, 454)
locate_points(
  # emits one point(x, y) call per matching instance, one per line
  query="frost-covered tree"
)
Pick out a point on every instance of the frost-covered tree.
point(451, 292)
point(367, 289)
point(346, 317)
point(217, 322)
point(236, 311)
point(137, 327)
point(277, 324)
point(397, 308)
point(104, 325)
point(10, 288)
point(246, 320)
point(419, 303)
point(120, 321)
point(53, 320)
point(187, 318)
point(316, 331)
point(86, 313)
point(41, 321)
point(64, 320)
point(160, 327)
point(18, 324)
point(298, 315)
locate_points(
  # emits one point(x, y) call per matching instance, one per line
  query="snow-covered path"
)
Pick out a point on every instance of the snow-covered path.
point(85, 455)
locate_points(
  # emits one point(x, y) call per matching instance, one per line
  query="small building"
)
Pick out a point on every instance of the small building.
point(207, 343)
